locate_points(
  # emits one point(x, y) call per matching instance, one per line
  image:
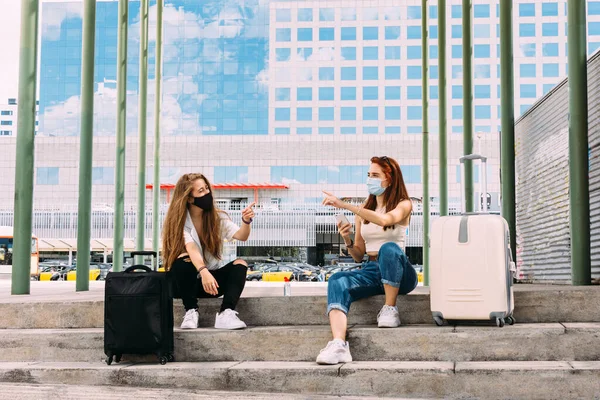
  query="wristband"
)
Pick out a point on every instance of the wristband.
point(246, 222)
point(200, 270)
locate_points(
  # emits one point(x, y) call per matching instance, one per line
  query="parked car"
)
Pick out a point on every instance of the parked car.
point(94, 273)
point(257, 267)
point(280, 272)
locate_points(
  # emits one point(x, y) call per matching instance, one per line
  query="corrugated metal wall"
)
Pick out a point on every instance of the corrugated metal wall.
point(542, 180)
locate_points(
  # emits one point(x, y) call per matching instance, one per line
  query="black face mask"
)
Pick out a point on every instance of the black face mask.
point(205, 202)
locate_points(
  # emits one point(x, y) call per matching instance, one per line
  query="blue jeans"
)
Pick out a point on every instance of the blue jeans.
point(392, 268)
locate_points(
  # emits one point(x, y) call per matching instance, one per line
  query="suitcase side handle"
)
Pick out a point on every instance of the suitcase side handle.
point(137, 268)
point(143, 253)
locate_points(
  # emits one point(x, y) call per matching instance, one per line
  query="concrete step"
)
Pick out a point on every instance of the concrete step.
point(521, 342)
point(533, 304)
point(549, 379)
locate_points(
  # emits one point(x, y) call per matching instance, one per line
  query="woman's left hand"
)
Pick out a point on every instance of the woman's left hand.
point(248, 213)
point(331, 200)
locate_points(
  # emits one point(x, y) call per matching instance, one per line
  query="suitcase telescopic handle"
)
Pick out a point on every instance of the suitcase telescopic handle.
point(483, 180)
point(143, 253)
point(473, 157)
point(138, 268)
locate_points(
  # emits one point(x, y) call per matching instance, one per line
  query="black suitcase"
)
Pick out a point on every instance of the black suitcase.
point(138, 313)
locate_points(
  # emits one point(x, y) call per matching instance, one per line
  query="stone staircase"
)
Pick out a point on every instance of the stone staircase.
point(552, 352)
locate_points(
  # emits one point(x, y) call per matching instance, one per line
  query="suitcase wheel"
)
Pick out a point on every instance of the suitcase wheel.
point(163, 360)
point(109, 360)
point(511, 320)
point(171, 358)
point(118, 358)
point(438, 321)
point(499, 322)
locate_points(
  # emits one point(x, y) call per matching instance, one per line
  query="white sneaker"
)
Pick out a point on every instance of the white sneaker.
point(388, 317)
point(190, 320)
point(337, 351)
point(228, 319)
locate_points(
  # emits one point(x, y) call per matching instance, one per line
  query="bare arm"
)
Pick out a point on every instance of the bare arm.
point(393, 217)
point(358, 250)
point(195, 255)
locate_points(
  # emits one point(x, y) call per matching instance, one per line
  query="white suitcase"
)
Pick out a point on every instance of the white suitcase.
point(471, 267)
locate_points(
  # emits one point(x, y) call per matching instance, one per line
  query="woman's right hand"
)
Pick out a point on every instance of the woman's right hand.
point(209, 283)
point(344, 229)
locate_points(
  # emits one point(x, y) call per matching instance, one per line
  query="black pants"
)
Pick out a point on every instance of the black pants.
point(231, 279)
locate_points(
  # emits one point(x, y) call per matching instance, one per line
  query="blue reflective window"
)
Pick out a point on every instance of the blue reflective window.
point(48, 176)
point(283, 35)
point(282, 114)
point(411, 173)
point(433, 32)
point(348, 113)
point(414, 112)
point(433, 12)
point(594, 28)
point(326, 113)
point(304, 131)
point(283, 54)
point(326, 73)
point(456, 31)
point(392, 52)
point(527, 10)
point(433, 52)
point(481, 31)
point(433, 72)
point(370, 114)
point(325, 130)
point(550, 70)
point(457, 71)
point(415, 129)
point(527, 70)
point(525, 107)
point(593, 7)
point(527, 30)
point(326, 34)
point(348, 93)
point(282, 94)
point(456, 11)
point(348, 73)
point(326, 14)
point(414, 12)
point(370, 53)
point(457, 91)
point(348, 14)
point(326, 93)
point(434, 92)
point(392, 32)
point(475, 172)
point(305, 14)
point(414, 32)
point(304, 53)
point(413, 52)
point(370, 33)
point(548, 87)
point(305, 34)
point(348, 33)
point(482, 71)
point(348, 130)
point(349, 53)
point(456, 51)
point(550, 49)
point(481, 51)
point(393, 130)
point(551, 9)
point(481, 10)
point(392, 113)
point(592, 47)
point(282, 131)
point(370, 93)
point(483, 91)
point(413, 72)
point(414, 92)
point(304, 94)
point(528, 50)
point(103, 176)
point(392, 92)
point(528, 91)
point(304, 114)
point(457, 112)
point(370, 73)
point(392, 72)
point(483, 112)
point(283, 15)
point(457, 129)
point(370, 130)
point(549, 29)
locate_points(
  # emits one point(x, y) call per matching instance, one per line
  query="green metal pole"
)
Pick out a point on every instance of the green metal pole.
point(581, 268)
point(143, 99)
point(25, 148)
point(121, 132)
point(425, 122)
point(467, 102)
point(157, 107)
point(86, 145)
point(442, 108)
point(508, 121)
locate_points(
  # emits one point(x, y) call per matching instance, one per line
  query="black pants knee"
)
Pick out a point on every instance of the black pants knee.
point(231, 279)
